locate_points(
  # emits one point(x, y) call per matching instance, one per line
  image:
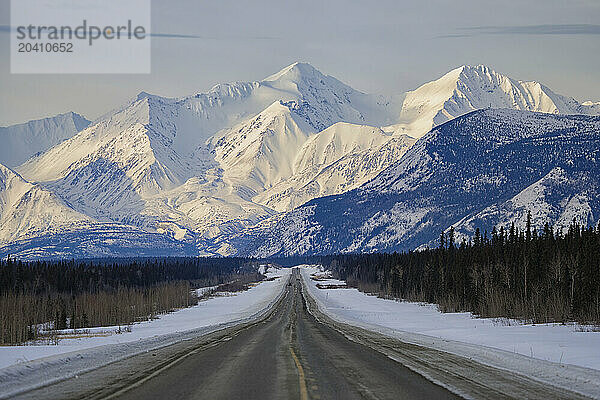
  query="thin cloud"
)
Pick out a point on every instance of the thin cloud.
point(565, 29)
point(186, 36)
point(554, 29)
point(453, 35)
point(176, 36)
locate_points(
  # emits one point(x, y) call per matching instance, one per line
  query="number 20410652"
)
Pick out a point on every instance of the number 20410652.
point(45, 47)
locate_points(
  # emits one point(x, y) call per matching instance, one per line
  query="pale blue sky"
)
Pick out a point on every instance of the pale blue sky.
point(385, 46)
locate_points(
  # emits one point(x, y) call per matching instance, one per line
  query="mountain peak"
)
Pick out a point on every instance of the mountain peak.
point(473, 87)
point(142, 95)
point(293, 72)
point(145, 95)
point(481, 71)
point(22, 141)
point(468, 71)
point(79, 121)
point(477, 67)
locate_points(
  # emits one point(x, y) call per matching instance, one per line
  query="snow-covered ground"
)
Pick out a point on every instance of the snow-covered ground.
point(73, 356)
point(505, 344)
point(204, 290)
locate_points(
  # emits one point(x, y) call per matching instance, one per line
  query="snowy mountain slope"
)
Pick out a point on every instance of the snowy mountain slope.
point(560, 197)
point(259, 153)
point(205, 208)
point(107, 169)
point(469, 88)
point(337, 141)
point(180, 219)
point(277, 159)
point(19, 142)
point(35, 223)
point(27, 209)
point(338, 159)
point(590, 108)
point(460, 168)
point(138, 131)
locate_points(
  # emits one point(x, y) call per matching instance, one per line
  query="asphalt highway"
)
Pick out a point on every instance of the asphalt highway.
point(290, 355)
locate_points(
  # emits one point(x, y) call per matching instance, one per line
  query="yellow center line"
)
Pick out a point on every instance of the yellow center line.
point(301, 376)
point(303, 391)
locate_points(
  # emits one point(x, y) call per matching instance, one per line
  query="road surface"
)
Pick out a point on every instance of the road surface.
point(295, 353)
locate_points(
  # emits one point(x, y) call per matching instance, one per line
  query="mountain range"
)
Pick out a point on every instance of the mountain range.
point(298, 163)
point(486, 169)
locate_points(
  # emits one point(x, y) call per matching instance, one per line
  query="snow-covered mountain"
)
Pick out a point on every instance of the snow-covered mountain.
point(321, 99)
point(469, 88)
point(36, 223)
point(27, 209)
point(193, 165)
point(278, 159)
point(485, 168)
point(561, 196)
point(212, 172)
point(19, 142)
point(340, 158)
point(260, 152)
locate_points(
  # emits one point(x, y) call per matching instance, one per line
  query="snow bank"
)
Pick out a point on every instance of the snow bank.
point(566, 355)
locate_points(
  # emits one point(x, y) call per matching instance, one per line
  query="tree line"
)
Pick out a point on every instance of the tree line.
point(45, 296)
point(532, 276)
